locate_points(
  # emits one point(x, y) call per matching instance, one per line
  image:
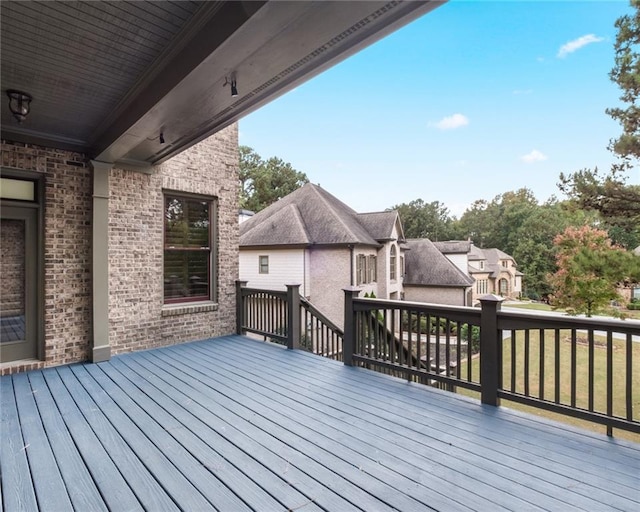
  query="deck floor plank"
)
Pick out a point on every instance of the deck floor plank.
point(235, 424)
point(51, 492)
point(168, 465)
point(488, 458)
point(461, 412)
point(360, 471)
point(123, 482)
point(204, 473)
point(453, 455)
point(17, 487)
point(359, 446)
point(82, 489)
point(200, 401)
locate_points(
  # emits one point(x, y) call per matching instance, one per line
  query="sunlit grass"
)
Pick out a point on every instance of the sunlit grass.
point(564, 384)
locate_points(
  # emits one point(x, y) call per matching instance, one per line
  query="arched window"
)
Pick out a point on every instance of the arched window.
point(504, 287)
point(392, 263)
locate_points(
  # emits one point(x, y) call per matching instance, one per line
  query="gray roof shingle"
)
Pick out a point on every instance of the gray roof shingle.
point(427, 266)
point(310, 215)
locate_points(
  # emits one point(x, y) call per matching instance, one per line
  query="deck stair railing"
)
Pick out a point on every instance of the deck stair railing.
point(286, 318)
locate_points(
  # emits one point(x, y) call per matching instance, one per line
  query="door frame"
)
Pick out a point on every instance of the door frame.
point(38, 254)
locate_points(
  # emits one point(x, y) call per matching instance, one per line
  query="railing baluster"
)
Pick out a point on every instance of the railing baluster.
point(557, 366)
point(628, 379)
point(437, 345)
point(574, 343)
point(447, 356)
point(514, 362)
point(419, 339)
point(591, 368)
point(542, 362)
point(527, 354)
point(609, 380)
point(469, 353)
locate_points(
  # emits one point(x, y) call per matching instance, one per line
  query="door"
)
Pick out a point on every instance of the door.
point(18, 283)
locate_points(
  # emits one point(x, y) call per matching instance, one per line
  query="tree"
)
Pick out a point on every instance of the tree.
point(264, 182)
point(425, 220)
point(610, 194)
point(590, 268)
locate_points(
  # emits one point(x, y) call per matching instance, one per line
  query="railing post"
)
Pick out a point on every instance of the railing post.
point(489, 346)
point(293, 316)
point(239, 303)
point(349, 341)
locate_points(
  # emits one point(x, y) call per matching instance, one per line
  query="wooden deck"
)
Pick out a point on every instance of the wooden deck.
point(234, 424)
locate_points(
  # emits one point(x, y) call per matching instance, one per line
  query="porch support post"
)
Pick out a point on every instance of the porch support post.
point(293, 316)
point(100, 349)
point(490, 340)
point(240, 306)
point(349, 341)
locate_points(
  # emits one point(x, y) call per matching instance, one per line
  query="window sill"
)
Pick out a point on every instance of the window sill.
point(187, 308)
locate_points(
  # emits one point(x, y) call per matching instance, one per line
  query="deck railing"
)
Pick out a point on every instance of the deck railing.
point(286, 318)
point(581, 367)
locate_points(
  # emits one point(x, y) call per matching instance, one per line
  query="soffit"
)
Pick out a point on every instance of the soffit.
point(108, 77)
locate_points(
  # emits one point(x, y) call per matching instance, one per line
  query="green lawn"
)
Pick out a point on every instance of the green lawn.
point(582, 352)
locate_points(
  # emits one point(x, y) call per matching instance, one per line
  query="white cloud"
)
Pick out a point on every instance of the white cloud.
point(576, 44)
point(533, 156)
point(451, 122)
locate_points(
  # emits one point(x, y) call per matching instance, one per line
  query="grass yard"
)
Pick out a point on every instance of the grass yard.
point(582, 381)
point(539, 306)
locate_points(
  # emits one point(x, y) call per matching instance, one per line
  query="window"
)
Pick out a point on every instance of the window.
point(373, 269)
point(481, 265)
point(361, 269)
point(504, 287)
point(504, 263)
point(392, 263)
point(481, 286)
point(188, 251)
point(402, 269)
point(263, 264)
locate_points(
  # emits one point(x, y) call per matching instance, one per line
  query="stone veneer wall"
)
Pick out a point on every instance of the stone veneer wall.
point(67, 250)
point(138, 319)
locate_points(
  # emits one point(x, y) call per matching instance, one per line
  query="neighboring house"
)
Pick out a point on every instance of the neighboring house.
point(432, 277)
point(313, 239)
point(119, 189)
point(494, 272)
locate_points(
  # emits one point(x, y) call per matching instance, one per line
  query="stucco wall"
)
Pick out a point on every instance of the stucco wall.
point(435, 295)
point(329, 274)
point(67, 250)
point(138, 317)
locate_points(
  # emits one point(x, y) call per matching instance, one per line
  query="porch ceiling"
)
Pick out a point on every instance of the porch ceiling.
point(108, 77)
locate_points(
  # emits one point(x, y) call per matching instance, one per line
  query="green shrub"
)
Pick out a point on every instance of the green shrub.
point(635, 306)
point(475, 337)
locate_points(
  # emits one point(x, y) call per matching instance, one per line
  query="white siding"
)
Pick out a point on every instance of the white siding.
point(286, 266)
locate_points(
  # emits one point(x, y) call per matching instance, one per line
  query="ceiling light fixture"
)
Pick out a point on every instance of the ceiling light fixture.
point(19, 104)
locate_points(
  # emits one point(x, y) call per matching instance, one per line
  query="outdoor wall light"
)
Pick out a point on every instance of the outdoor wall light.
point(232, 82)
point(161, 138)
point(19, 104)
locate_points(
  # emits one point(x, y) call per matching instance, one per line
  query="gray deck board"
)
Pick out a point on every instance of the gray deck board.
point(234, 424)
point(491, 454)
point(455, 458)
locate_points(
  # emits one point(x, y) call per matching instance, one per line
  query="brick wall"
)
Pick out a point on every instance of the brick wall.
point(67, 248)
point(138, 318)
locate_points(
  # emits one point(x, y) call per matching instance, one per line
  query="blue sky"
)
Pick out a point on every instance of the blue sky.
point(472, 100)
